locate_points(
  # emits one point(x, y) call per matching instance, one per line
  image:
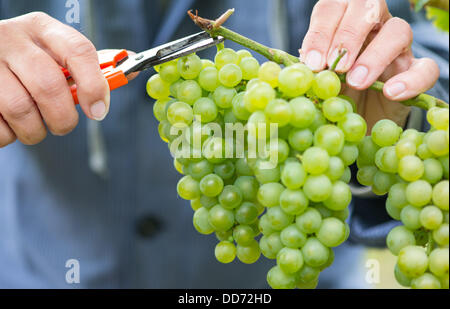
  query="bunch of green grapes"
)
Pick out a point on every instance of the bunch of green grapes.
point(412, 168)
point(293, 212)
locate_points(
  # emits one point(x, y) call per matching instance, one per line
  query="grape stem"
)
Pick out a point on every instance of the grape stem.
point(215, 28)
point(430, 243)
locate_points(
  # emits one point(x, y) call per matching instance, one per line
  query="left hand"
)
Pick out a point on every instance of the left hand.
point(378, 48)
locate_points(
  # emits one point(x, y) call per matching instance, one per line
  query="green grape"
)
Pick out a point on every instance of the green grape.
point(440, 235)
point(300, 139)
point(251, 83)
point(431, 217)
point(208, 202)
point(230, 75)
point(292, 237)
point(209, 79)
point(437, 143)
point(293, 175)
point(293, 202)
point(247, 213)
point(315, 254)
point(223, 97)
point(335, 109)
point(426, 281)
point(178, 166)
point(189, 91)
point(221, 219)
point(238, 107)
point(190, 66)
point(243, 53)
point(199, 169)
point(230, 118)
point(211, 185)
point(413, 135)
point(347, 177)
point(367, 151)
point(318, 188)
point(265, 226)
point(278, 218)
point(249, 186)
point(419, 193)
point(445, 162)
point(206, 109)
point(243, 235)
point(433, 171)
point(441, 195)
point(231, 197)
point(266, 175)
point(196, 204)
point(169, 72)
point(295, 80)
point(399, 238)
point(308, 286)
point(201, 222)
point(438, 117)
point(225, 252)
point(354, 128)
point(157, 88)
point(319, 120)
point(225, 170)
point(268, 72)
point(250, 253)
point(159, 109)
point(315, 161)
point(326, 85)
point(340, 197)
point(290, 260)
point(174, 88)
point(389, 160)
point(330, 138)
point(271, 245)
point(258, 96)
point(349, 154)
point(342, 214)
point(188, 188)
point(397, 195)
point(242, 167)
point(258, 127)
point(214, 150)
point(439, 262)
point(279, 149)
point(411, 168)
point(310, 221)
point(278, 111)
point(382, 182)
point(401, 278)
point(332, 232)
point(410, 216)
point(303, 112)
point(366, 175)
point(225, 56)
point(278, 279)
point(249, 67)
point(393, 212)
point(386, 133)
point(413, 261)
point(206, 63)
point(423, 152)
point(308, 274)
point(325, 212)
point(405, 147)
point(269, 194)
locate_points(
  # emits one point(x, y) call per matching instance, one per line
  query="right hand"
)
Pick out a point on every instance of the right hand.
point(33, 89)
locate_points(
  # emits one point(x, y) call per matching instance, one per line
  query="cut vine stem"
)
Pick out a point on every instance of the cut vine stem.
point(215, 28)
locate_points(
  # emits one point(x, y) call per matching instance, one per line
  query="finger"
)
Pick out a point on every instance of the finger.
point(359, 19)
point(7, 135)
point(420, 77)
point(76, 53)
point(19, 110)
point(325, 19)
point(394, 38)
point(42, 78)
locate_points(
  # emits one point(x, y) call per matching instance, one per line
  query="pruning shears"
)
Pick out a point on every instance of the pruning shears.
point(117, 68)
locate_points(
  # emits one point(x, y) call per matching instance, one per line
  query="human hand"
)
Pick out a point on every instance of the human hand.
point(33, 90)
point(378, 48)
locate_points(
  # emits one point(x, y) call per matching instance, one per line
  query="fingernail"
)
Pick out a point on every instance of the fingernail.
point(98, 110)
point(395, 89)
point(358, 76)
point(314, 60)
